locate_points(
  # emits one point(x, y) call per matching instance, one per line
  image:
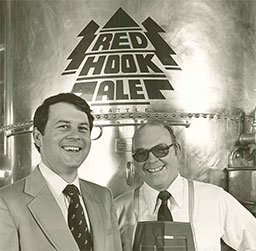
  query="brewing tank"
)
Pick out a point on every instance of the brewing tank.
point(188, 63)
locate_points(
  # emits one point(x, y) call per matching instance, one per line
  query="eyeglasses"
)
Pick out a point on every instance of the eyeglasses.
point(159, 151)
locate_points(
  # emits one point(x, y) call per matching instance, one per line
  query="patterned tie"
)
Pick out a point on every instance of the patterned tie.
point(164, 213)
point(76, 219)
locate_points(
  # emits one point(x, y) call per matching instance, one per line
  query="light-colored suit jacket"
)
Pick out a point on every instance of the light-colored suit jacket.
point(30, 218)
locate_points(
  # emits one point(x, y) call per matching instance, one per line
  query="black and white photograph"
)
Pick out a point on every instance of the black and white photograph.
point(127, 125)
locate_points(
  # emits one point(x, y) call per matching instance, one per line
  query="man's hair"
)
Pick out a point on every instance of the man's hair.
point(42, 112)
point(158, 123)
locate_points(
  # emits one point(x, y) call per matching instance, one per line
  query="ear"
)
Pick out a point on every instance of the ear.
point(37, 137)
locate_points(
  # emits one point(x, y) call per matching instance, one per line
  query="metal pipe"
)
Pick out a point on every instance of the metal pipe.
point(247, 138)
point(8, 82)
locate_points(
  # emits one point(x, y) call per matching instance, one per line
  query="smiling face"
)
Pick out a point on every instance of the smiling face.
point(158, 173)
point(66, 141)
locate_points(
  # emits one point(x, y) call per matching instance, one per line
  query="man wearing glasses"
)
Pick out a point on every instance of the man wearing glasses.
point(166, 196)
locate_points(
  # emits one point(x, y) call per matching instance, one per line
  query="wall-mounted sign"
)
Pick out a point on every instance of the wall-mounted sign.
point(122, 63)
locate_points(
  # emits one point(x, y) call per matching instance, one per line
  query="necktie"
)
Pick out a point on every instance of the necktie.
point(76, 219)
point(164, 213)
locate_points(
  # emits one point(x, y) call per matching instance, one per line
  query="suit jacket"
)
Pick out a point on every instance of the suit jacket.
point(30, 218)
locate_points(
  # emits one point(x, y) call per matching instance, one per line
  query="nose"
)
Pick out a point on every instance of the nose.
point(152, 157)
point(73, 134)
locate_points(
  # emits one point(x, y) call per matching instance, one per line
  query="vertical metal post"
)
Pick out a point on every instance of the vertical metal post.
point(8, 81)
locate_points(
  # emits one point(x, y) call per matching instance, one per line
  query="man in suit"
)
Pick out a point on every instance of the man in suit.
point(165, 195)
point(52, 209)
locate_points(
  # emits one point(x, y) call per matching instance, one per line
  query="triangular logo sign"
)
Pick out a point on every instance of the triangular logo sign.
point(123, 63)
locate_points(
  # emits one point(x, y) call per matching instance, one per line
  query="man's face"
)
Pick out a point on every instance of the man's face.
point(66, 141)
point(158, 173)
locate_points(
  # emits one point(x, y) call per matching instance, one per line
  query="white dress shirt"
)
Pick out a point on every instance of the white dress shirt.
point(216, 214)
point(56, 184)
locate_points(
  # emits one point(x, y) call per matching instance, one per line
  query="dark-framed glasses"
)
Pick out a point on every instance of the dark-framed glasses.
point(158, 151)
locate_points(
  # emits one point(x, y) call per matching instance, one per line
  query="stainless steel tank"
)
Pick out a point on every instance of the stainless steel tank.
point(190, 63)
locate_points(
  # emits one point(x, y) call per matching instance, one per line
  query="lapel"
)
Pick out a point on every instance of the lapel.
point(47, 213)
point(94, 209)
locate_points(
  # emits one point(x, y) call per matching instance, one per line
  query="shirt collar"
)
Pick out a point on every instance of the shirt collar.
point(176, 189)
point(56, 183)
point(150, 195)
